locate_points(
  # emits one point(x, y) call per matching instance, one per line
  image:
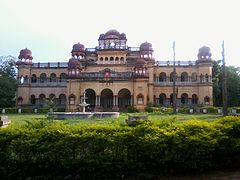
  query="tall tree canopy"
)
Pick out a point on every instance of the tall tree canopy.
point(7, 81)
point(233, 84)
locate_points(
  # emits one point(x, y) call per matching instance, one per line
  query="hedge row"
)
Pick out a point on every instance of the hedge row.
point(58, 149)
point(14, 110)
point(209, 109)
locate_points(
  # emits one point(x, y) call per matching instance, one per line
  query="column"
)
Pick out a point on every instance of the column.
point(96, 101)
point(114, 100)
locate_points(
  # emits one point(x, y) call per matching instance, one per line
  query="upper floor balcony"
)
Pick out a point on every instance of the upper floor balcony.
point(39, 82)
point(168, 81)
point(50, 65)
point(177, 63)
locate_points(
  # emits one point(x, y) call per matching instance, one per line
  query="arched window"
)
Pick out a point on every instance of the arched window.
point(43, 77)
point(140, 99)
point(162, 77)
point(122, 59)
point(194, 77)
point(42, 98)
point(62, 99)
point(184, 98)
point(206, 77)
point(33, 99)
point(34, 78)
point(101, 58)
point(72, 99)
point(206, 100)
point(63, 77)
point(194, 99)
point(171, 76)
point(19, 100)
point(162, 99)
point(117, 59)
point(184, 76)
point(106, 58)
point(111, 58)
point(53, 77)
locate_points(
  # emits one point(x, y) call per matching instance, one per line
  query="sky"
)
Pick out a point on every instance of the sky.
point(49, 28)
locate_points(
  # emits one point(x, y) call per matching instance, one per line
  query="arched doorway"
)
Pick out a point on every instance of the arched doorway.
point(162, 99)
point(194, 99)
point(106, 100)
point(91, 99)
point(124, 99)
point(184, 99)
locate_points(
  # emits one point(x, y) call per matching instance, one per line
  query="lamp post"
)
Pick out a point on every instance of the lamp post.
point(174, 82)
point(224, 82)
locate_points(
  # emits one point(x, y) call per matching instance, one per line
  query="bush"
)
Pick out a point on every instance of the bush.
point(58, 149)
point(131, 109)
point(185, 110)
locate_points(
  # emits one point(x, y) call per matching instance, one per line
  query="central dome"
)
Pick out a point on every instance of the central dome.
point(112, 34)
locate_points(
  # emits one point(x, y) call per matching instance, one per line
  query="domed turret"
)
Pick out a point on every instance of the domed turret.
point(123, 36)
point(101, 37)
point(25, 57)
point(146, 50)
point(74, 64)
point(112, 34)
point(112, 39)
point(74, 67)
point(146, 46)
point(204, 53)
point(25, 54)
point(140, 69)
point(78, 50)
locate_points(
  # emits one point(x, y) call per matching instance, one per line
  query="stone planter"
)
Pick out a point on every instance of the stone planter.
point(205, 111)
point(219, 111)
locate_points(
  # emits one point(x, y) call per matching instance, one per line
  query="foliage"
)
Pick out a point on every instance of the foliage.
point(157, 109)
point(7, 81)
point(233, 85)
point(59, 149)
point(132, 109)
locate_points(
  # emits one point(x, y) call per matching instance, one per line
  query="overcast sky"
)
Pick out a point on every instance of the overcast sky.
point(50, 27)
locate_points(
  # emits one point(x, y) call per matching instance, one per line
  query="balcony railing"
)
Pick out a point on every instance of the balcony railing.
point(51, 65)
point(42, 82)
point(177, 63)
point(181, 83)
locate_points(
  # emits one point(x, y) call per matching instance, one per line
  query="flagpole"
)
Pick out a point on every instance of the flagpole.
point(224, 82)
point(174, 82)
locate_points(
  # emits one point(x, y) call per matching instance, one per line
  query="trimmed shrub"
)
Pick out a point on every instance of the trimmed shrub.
point(58, 149)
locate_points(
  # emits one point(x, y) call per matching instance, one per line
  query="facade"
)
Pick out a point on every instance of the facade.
point(114, 76)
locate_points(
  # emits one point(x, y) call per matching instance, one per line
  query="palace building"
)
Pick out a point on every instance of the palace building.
point(114, 76)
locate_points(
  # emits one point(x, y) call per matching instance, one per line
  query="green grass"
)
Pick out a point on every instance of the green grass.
point(20, 119)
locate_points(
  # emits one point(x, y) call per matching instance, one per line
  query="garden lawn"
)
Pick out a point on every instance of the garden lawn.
point(20, 119)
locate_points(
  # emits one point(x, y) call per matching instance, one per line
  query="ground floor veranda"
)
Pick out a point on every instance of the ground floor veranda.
point(108, 101)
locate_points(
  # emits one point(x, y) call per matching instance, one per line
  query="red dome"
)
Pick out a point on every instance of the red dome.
point(146, 47)
point(112, 34)
point(78, 48)
point(25, 54)
point(74, 64)
point(204, 53)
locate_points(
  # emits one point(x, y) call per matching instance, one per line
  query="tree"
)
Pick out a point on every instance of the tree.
point(233, 85)
point(7, 81)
